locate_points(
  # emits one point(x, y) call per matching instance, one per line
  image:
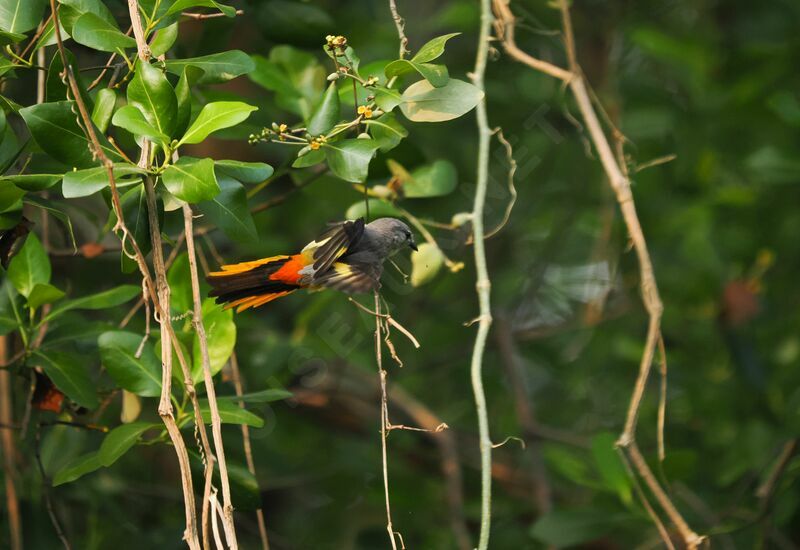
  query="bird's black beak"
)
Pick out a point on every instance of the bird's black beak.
point(412, 245)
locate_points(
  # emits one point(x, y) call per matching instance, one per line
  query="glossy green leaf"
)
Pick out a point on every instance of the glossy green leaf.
point(71, 10)
point(95, 32)
point(426, 263)
point(137, 374)
point(221, 336)
point(216, 68)
point(164, 40)
point(422, 102)
point(43, 294)
point(433, 48)
point(263, 396)
point(104, 104)
point(245, 172)
point(183, 92)
point(309, 159)
point(30, 266)
point(133, 120)
point(20, 16)
point(179, 280)
point(378, 208)
point(387, 99)
point(77, 468)
point(153, 95)
point(349, 159)
point(437, 75)
point(7, 38)
point(231, 413)
point(82, 183)
point(69, 374)
point(10, 195)
point(387, 131)
point(29, 182)
point(55, 87)
point(216, 116)
point(183, 5)
point(296, 77)
point(229, 211)
point(326, 114)
point(102, 300)
point(55, 129)
point(191, 180)
point(120, 440)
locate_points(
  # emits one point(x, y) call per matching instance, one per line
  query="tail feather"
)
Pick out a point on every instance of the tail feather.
point(248, 284)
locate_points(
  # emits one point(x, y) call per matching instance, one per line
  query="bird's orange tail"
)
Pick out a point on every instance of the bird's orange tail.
point(253, 284)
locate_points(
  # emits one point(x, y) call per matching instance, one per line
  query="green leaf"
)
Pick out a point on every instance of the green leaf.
point(104, 104)
point(230, 413)
point(30, 182)
point(309, 159)
point(140, 375)
point(69, 375)
point(437, 75)
point(378, 208)
point(8, 303)
point(182, 5)
point(133, 120)
point(164, 40)
point(221, 336)
point(152, 94)
point(326, 114)
point(183, 92)
point(56, 89)
point(97, 33)
point(612, 470)
point(349, 159)
point(102, 300)
point(263, 396)
point(82, 183)
point(29, 267)
point(19, 16)
point(216, 116)
point(71, 10)
point(55, 129)
point(57, 213)
point(219, 67)
point(245, 172)
point(422, 102)
point(10, 196)
point(433, 48)
point(387, 99)
point(426, 263)
point(135, 213)
point(191, 180)
point(180, 284)
point(120, 440)
point(77, 468)
point(8, 38)
point(229, 211)
point(387, 131)
point(43, 294)
point(433, 180)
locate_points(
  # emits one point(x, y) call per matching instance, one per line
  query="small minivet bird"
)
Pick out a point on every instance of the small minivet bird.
point(348, 257)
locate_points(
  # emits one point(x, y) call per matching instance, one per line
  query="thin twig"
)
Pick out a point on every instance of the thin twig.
point(48, 501)
point(388, 317)
point(236, 376)
point(400, 23)
point(216, 421)
point(201, 16)
point(384, 421)
point(483, 284)
point(512, 190)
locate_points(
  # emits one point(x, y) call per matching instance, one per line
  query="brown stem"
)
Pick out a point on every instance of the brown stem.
point(216, 421)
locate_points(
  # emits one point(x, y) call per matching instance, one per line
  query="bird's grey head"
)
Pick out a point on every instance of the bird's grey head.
point(395, 234)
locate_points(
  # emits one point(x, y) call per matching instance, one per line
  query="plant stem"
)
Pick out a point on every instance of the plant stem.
point(483, 284)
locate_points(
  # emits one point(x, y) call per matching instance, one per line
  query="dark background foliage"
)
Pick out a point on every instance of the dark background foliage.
point(707, 89)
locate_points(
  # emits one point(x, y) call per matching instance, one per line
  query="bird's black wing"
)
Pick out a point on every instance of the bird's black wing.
point(351, 278)
point(334, 243)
